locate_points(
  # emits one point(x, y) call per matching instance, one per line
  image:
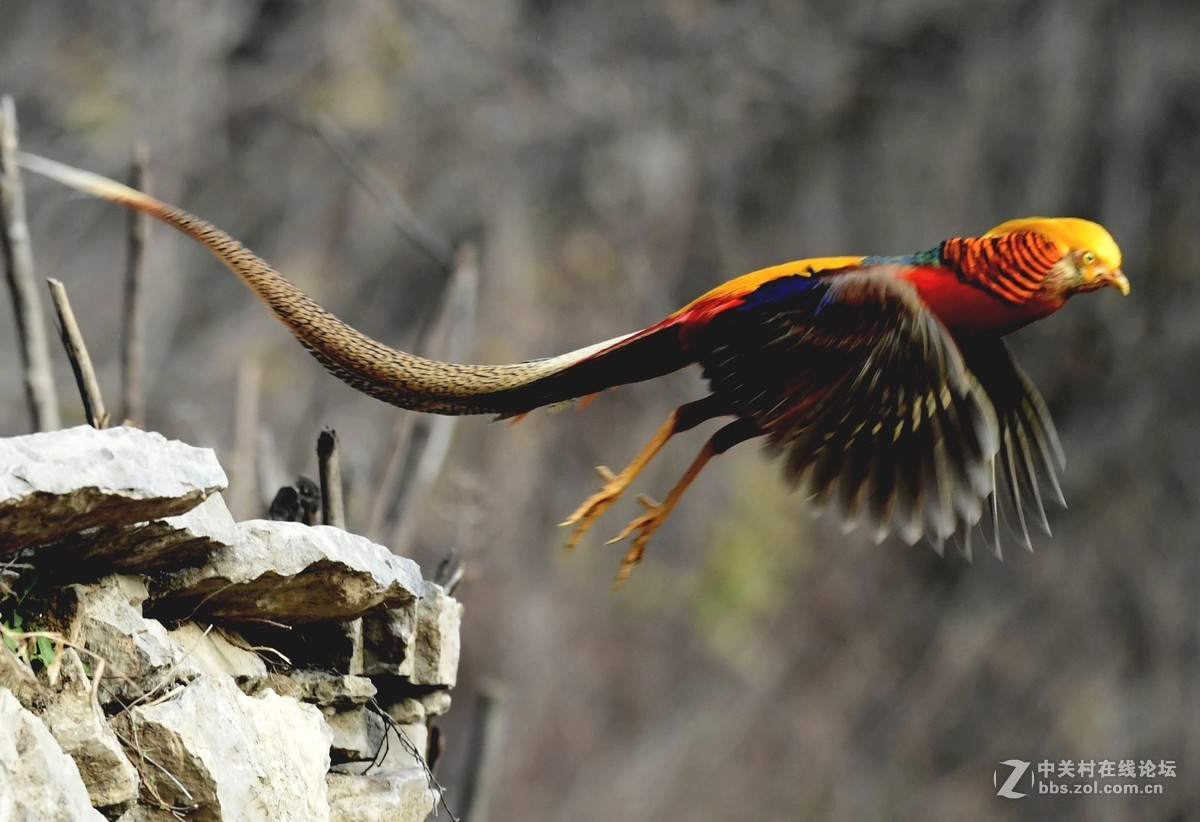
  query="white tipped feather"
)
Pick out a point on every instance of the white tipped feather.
point(81, 180)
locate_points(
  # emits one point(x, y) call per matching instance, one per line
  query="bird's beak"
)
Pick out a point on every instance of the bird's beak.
point(1117, 279)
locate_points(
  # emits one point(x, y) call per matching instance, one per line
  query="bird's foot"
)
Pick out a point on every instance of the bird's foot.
point(586, 514)
point(645, 525)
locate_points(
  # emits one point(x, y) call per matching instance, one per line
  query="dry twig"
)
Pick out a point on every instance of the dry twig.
point(485, 733)
point(133, 400)
point(81, 362)
point(243, 487)
point(18, 258)
point(329, 462)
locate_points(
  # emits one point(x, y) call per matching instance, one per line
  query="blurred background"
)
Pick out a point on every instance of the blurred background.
point(611, 161)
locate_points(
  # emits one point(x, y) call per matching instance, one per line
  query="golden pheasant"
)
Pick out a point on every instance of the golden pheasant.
point(883, 382)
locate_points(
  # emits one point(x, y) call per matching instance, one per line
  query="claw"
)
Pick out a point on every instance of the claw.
point(615, 484)
point(645, 525)
point(595, 505)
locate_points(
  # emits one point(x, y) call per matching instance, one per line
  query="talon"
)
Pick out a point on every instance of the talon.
point(615, 484)
point(645, 525)
point(657, 513)
point(595, 505)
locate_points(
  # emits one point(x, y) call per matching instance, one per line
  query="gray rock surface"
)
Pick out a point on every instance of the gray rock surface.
point(357, 734)
point(164, 543)
point(139, 653)
point(223, 736)
point(387, 637)
point(435, 703)
point(238, 757)
point(61, 482)
point(16, 677)
point(323, 689)
point(405, 746)
point(211, 653)
point(75, 720)
point(407, 711)
point(392, 796)
point(37, 780)
point(437, 647)
point(291, 573)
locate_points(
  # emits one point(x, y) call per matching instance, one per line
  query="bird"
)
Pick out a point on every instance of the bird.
point(883, 383)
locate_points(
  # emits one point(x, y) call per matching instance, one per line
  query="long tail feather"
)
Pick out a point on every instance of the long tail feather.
point(396, 377)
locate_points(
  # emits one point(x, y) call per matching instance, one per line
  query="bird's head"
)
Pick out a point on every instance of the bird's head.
point(1091, 258)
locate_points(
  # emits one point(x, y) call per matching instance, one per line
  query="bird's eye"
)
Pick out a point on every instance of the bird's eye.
point(1089, 257)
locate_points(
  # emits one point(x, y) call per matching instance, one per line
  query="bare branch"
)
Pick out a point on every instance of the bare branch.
point(485, 732)
point(244, 498)
point(333, 508)
point(18, 259)
point(81, 362)
point(389, 482)
point(133, 400)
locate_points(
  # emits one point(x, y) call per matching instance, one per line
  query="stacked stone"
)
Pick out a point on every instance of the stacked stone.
point(254, 670)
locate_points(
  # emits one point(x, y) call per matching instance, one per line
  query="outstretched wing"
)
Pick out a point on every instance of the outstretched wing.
point(865, 395)
point(1030, 451)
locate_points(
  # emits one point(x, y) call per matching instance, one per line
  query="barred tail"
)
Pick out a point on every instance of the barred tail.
point(396, 377)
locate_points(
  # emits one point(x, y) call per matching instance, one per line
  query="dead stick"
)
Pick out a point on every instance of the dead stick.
point(18, 258)
point(245, 499)
point(333, 510)
point(81, 363)
point(486, 729)
point(389, 480)
point(133, 400)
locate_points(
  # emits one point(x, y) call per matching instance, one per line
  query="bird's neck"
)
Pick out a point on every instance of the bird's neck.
point(966, 307)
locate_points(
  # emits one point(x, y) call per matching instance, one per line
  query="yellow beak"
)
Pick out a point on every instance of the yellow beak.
point(1117, 279)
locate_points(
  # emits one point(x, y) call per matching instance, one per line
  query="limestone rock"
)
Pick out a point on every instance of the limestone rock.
point(238, 757)
point(291, 573)
point(407, 711)
point(392, 796)
point(407, 703)
point(60, 482)
point(419, 641)
point(323, 689)
point(436, 703)
point(212, 653)
point(163, 543)
point(357, 734)
point(388, 638)
point(16, 677)
point(78, 725)
point(37, 780)
point(436, 650)
point(405, 746)
point(139, 654)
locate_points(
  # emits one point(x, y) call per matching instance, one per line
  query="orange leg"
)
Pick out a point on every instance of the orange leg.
point(657, 513)
point(682, 419)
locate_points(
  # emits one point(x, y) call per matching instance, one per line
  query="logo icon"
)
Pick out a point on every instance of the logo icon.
point(1019, 767)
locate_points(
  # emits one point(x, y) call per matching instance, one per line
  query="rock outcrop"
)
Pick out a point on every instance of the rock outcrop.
point(214, 669)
